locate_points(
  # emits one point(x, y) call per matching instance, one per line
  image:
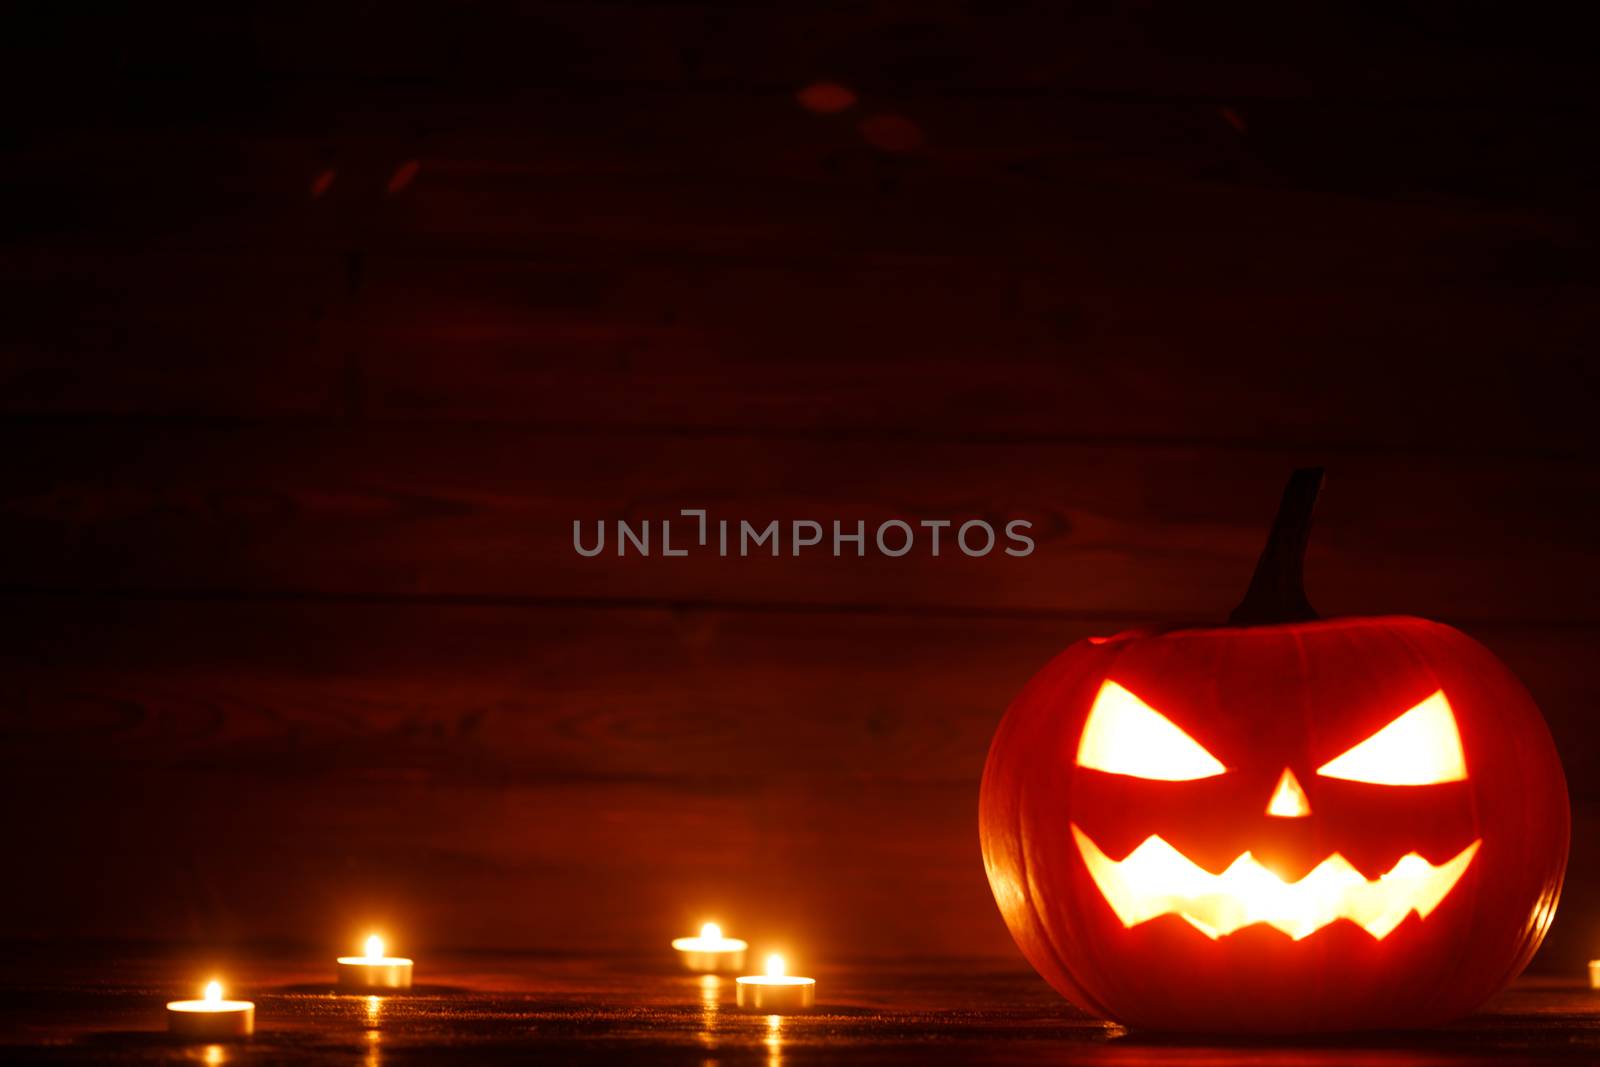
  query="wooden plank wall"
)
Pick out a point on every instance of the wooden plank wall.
point(322, 328)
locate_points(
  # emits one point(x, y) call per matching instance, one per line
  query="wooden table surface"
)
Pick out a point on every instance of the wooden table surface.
point(100, 1006)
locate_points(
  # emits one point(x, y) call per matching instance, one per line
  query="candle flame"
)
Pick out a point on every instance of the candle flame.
point(711, 932)
point(213, 993)
point(374, 947)
point(774, 966)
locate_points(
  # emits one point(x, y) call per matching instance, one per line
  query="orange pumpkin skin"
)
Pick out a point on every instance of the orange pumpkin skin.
point(1262, 699)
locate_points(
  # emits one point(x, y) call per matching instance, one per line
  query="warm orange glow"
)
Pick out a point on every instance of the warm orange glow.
point(777, 989)
point(1288, 799)
point(1156, 879)
point(1421, 747)
point(368, 968)
point(1124, 735)
point(711, 939)
point(210, 1003)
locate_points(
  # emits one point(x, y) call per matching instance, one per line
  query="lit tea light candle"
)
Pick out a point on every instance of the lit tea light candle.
point(711, 953)
point(1594, 974)
point(211, 1018)
point(374, 970)
point(775, 993)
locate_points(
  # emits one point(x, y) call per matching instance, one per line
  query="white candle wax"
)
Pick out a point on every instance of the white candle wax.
point(711, 953)
point(775, 992)
point(374, 971)
point(211, 1018)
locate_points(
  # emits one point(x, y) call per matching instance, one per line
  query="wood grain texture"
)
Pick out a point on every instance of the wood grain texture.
point(1123, 269)
point(656, 213)
point(246, 769)
point(306, 373)
point(631, 1008)
point(1156, 533)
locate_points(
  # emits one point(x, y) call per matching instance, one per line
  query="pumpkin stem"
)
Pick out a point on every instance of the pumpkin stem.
point(1277, 590)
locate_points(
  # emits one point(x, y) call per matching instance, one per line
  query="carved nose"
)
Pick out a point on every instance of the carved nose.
point(1288, 799)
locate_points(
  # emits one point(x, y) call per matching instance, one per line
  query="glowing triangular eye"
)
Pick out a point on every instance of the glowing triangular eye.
point(1421, 747)
point(1124, 735)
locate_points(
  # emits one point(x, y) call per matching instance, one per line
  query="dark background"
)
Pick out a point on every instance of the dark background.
point(322, 323)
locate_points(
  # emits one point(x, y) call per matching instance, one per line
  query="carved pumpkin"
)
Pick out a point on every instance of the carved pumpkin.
point(1281, 824)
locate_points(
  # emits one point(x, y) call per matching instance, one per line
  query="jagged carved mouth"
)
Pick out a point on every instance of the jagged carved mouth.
point(1156, 879)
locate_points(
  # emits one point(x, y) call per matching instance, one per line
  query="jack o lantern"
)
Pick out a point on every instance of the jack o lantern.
point(1282, 824)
